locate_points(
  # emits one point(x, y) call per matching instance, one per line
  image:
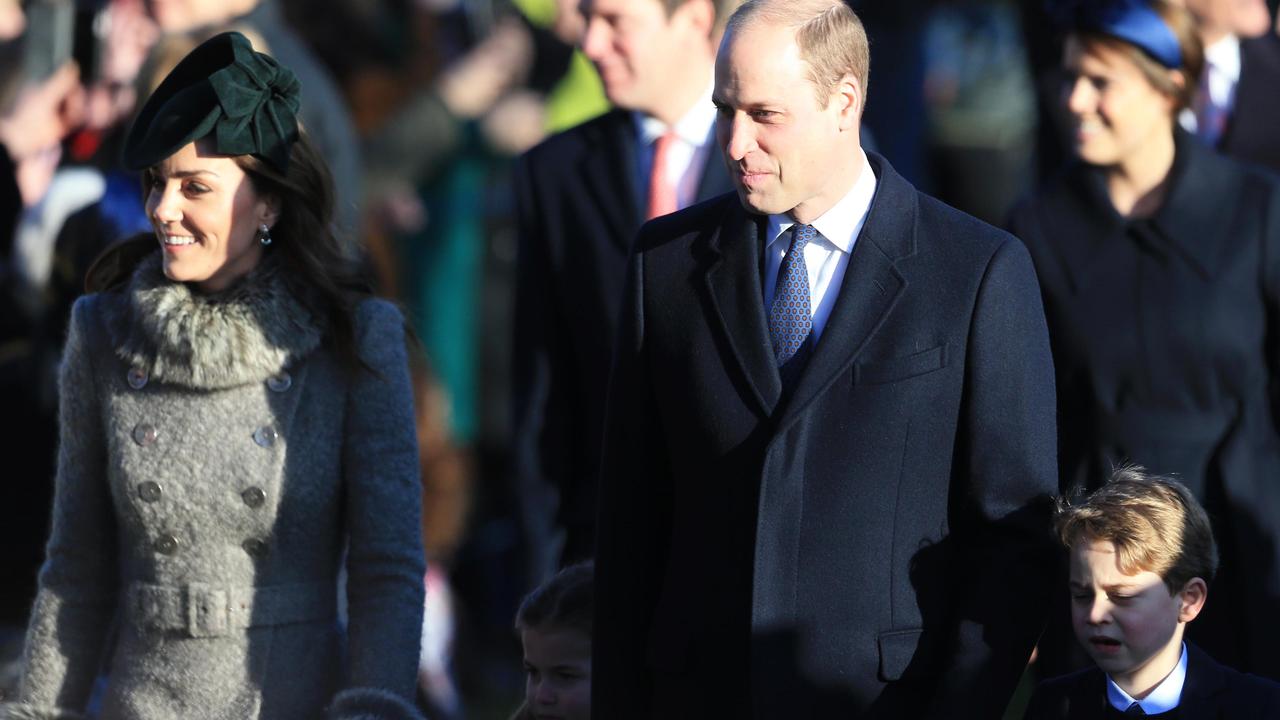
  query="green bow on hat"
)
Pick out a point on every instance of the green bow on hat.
point(244, 99)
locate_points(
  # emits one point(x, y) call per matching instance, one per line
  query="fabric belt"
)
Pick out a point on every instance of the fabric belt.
point(201, 611)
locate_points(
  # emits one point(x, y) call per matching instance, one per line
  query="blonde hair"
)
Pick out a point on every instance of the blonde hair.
point(1155, 523)
point(1183, 24)
point(829, 34)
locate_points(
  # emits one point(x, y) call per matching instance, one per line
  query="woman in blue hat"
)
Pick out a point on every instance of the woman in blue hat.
point(235, 412)
point(1159, 263)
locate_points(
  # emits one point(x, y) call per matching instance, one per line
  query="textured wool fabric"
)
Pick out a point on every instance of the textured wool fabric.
point(214, 460)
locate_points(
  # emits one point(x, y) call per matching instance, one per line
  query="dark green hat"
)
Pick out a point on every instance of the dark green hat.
point(245, 100)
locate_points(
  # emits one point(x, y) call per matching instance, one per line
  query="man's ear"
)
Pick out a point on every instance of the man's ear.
point(1191, 599)
point(848, 98)
point(701, 14)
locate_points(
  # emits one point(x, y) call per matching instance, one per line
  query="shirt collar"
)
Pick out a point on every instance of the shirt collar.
point(839, 225)
point(1224, 56)
point(1163, 698)
point(694, 127)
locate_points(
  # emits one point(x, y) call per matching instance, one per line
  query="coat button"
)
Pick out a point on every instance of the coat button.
point(256, 547)
point(137, 378)
point(145, 434)
point(166, 544)
point(280, 383)
point(265, 436)
point(253, 497)
point(150, 491)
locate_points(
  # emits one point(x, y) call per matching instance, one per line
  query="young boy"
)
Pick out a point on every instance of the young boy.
point(1141, 557)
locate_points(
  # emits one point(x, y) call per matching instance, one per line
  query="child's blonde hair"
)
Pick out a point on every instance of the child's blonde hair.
point(1155, 523)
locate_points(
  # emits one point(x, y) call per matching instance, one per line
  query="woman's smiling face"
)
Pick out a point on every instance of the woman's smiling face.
point(206, 212)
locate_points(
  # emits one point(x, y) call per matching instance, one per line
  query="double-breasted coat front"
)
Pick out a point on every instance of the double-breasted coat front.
point(215, 459)
point(1166, 346)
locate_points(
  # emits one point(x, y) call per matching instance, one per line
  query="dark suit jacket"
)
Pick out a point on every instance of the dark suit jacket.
point(874, 544)
point(1211, 691)
point(1251, 133)
point(579, 210)
point(1166, 339)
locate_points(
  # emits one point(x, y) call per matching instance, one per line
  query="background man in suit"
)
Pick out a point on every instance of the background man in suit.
point(582, 196)
point(831, 423)
point(1237, 108)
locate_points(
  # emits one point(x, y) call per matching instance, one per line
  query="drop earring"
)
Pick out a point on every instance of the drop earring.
point(264, 234)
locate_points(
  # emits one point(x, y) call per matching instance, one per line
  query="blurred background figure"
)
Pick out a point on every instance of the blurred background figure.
point(582, 195)
point(38, 109)
point(1237, 108)
point(980, 104)
point(1155, 261)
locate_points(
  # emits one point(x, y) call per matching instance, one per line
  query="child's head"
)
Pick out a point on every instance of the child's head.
point(555, 628)
point(1142, 554)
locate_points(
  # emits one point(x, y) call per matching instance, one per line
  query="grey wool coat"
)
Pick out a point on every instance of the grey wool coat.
point(215, 460)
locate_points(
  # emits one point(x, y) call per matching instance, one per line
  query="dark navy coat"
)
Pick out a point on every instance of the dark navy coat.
point(870, 546)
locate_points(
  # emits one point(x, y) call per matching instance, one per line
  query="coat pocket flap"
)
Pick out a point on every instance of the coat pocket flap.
point(887, 371)
point(897, 648)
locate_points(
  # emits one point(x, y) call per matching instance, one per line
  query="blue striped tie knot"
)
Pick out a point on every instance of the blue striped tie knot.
point(790, 319)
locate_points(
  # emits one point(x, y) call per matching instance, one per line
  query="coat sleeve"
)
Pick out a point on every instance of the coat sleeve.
point(78, 582)
point(1006, 472)
point(541, 433)
point(1270, 279)
point(385, 565)
point(633, 521)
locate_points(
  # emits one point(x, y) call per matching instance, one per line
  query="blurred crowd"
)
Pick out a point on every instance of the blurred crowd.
point(422, 108)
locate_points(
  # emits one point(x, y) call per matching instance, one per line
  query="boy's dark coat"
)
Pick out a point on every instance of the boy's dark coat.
point(1211, 691)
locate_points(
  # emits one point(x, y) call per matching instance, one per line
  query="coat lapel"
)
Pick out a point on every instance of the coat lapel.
point(737, 301)
point(869, 290)
point(1205, 680)
point(609, 171)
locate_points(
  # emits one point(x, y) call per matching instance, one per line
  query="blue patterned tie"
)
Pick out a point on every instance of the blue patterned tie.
point(789, 319)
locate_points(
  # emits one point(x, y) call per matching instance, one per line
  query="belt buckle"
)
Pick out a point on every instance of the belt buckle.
point(206, 611)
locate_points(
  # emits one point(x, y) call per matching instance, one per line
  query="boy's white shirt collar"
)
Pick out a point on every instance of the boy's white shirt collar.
point(1163, 698)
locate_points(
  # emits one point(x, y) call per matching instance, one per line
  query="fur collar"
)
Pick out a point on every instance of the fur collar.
point(242, 335)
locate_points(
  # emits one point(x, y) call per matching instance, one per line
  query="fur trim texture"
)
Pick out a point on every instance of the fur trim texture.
point(368, 703)
point(243, 335)
point(16, 711)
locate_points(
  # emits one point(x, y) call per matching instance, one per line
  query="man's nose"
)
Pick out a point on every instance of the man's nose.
point(739, 137)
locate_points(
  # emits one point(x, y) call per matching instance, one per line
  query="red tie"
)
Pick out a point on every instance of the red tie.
point(662, 193)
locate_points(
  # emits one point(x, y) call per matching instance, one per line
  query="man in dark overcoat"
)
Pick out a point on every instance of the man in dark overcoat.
point(582, 195)
point(830, 429)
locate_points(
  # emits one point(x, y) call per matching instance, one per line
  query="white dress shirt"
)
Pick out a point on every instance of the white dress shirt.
point(1163, 698)
point(1216, 98)
point(687, 157)
point(827, 256)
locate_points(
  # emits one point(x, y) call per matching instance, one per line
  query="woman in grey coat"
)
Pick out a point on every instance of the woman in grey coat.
point(233, 414)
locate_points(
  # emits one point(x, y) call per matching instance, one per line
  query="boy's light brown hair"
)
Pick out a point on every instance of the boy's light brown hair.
point(1155, 523)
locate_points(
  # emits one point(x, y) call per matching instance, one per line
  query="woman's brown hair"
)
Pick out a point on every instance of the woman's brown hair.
point(316, 269)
